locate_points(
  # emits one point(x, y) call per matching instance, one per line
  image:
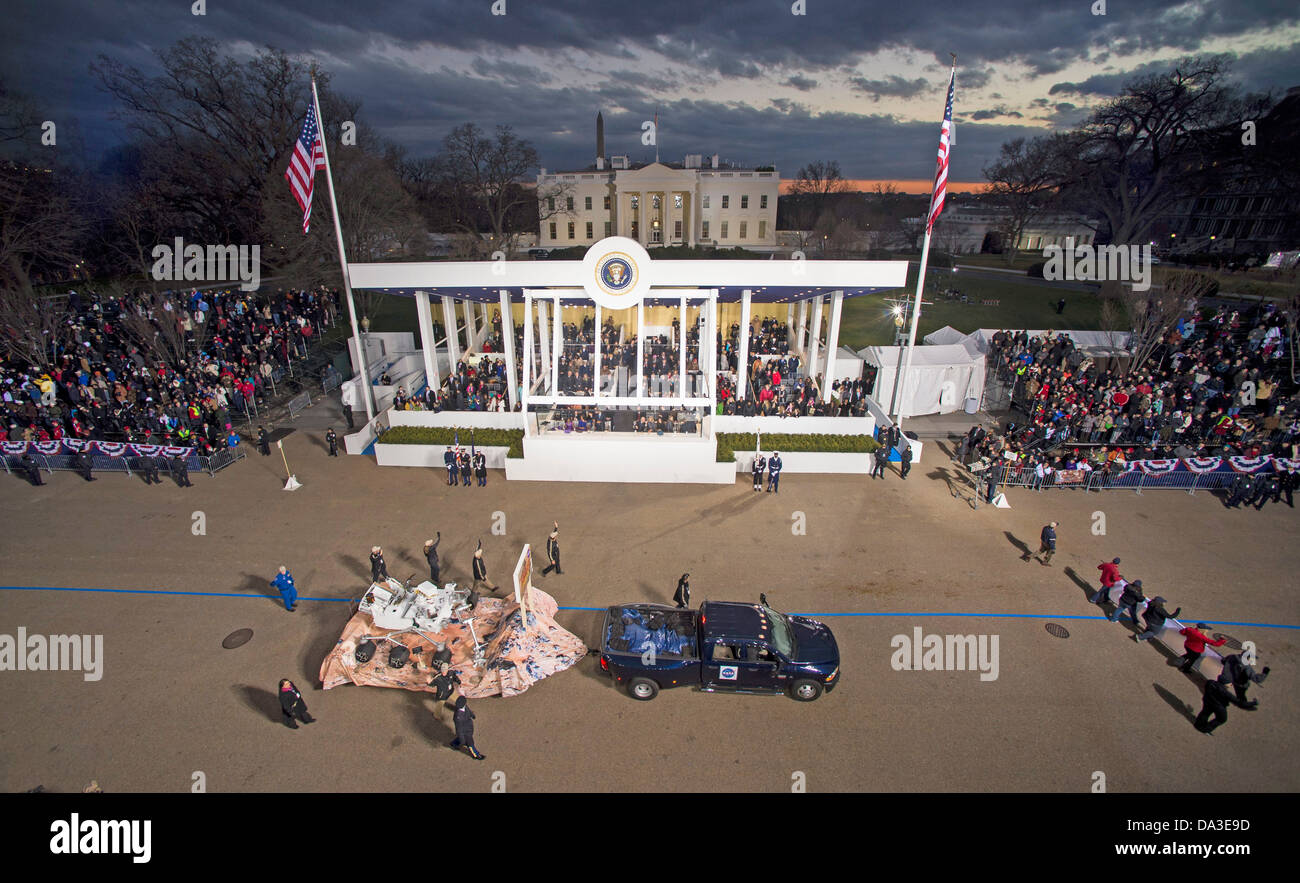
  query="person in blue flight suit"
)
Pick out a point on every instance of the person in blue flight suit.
point(449, 459)
point(774, 473)
point(759, 465)
point(288, 592)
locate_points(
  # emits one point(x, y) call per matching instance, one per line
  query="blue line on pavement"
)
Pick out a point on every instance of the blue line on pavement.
point(1215, 622)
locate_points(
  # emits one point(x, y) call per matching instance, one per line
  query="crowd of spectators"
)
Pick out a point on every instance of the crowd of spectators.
point(159, 368)
point(1212, 387)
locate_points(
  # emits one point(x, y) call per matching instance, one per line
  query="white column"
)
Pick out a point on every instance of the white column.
point(832, 343)
point(640, 348)
point(595, 362)
point(789, 320)
point(814, 346)
point(528, 353)
point(508, 342)
point(453, 342)
point(711, 367)
point(641, 235)
point(800, 338)
point(557, 346)
point(471, 332)
point(742, 360)
point(428, 344)
point(544, 338)
point(681, 349)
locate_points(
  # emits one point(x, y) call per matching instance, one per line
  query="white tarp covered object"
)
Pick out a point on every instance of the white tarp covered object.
point(946, 334)
point(1117, 340)
point(942, 378)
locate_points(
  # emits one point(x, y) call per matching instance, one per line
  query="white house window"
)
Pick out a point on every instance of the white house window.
point(677, 229)
point(636, 203)
point(568, 203)
point(726, 201)
point(654, 201)
point(762, 201)
point(571, 229)
point(744, 203)
point(724, 230)
point(744, 228)
point(589, 229)
point(587, 203)
point(552, 229)
point(704, 229)
point(762, 229)
point(704, 202)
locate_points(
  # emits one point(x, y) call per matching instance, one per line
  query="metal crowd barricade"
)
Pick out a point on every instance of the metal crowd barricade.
point(127, 464)
point(299, 403)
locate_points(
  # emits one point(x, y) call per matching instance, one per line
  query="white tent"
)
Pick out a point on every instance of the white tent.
point(942, 378)
point(946, 334)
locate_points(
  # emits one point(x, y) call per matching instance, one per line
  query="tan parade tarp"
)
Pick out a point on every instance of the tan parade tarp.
point(515, 658)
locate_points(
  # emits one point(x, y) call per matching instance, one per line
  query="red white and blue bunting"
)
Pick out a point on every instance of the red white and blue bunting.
point(108, 449)
point(1203, 465)
point(1158, 467)
point(1249, 464)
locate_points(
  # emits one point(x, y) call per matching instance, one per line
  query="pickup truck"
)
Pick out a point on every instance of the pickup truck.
point(725, 646)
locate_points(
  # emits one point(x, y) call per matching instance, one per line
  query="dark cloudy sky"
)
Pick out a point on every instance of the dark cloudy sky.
point(859, 81)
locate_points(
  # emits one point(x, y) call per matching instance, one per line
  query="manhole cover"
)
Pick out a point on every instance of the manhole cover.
point(1229, 640)
point(1057, 631)
point(237, 639)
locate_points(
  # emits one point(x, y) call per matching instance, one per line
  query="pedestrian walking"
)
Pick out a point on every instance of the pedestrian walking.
point(288, 591)
point(378, 569)
point(1238, 674)
point(292, 705)
point(905, 459)
point(683, 594)
point(480, 571)
point(1129, 600)
point(463, 719)
point(181, 471)
point(1109, 576)
point(445, 684)
point(1156, 615)
point(332, 439)
point(263, 445)
point(82, 464)
point(32, 470)
point(553, 551)
point(347, 415)
point(1194, 645)
point(774, 473)
point(431, 555)
point(1215, 702)
point(1046, 546)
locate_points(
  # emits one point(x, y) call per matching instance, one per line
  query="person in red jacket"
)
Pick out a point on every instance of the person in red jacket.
point(1109, 576)
point(1195, 645)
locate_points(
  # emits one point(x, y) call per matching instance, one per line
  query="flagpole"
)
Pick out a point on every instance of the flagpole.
point(920, 287)
point(367, 394)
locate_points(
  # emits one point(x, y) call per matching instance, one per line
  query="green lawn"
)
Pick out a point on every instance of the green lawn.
point(867, 322)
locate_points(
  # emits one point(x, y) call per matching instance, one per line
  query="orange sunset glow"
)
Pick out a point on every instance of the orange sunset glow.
point(909, 186)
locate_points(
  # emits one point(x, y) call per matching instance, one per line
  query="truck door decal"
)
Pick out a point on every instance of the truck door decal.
point(728, 673)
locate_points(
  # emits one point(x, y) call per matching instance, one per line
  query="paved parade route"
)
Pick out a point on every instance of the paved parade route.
point(171, 701)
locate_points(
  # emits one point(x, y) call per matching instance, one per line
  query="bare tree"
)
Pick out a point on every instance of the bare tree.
point(156, 324)
point(1154, 312)
point(32, 328)
point(820, 178)
point(1023, 181)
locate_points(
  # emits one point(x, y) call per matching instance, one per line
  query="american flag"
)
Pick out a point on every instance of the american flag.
point(308, 156)
point(945, 143)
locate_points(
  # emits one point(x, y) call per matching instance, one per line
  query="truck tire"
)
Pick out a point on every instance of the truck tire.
point(805, 690)
point(643, 689)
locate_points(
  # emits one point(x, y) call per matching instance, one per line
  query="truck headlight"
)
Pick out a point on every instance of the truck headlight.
point(833, 675)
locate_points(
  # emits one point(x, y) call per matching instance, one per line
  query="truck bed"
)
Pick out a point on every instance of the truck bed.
point(633, 629)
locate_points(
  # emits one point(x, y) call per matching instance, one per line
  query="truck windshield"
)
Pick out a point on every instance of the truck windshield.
point(782, 636)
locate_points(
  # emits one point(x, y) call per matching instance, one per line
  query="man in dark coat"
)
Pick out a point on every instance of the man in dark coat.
point(1129, 600)
point(879, 461)
point(463, 720)
point(683, 594)
point(431, 555)
point(760, 465)
point(83, 465)
point(292, 705)
point(1156, 614)
point(1215, 702)
point(906, 461)
point(181, 471)
point(378, 569)
point(480, 571)
point(263, 446)
point(449, 460)
point(553, 551)
point(480, 468)
point(347, 415)
point(1240, 675)
point(444, 685)
point(1046, 545)
point(466, 468)
point(33, 471)
point(149, 466)
point(332, 439)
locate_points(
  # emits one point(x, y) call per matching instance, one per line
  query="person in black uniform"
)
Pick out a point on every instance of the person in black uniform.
point(774, 473)
point(82, 464)
point(480, 468)
point(347, 415)
point(683, 594)
point(905, 461)
point(332, 439)
point(759, 466)
point(33, 471)
point(444, 685)
point(464, 723)
point(181, 471)
point(149, 466)
point(1272, 489)
point(1215, 702)
point(553, 550)
point(1239, 490)
point(1289, 482)
point(449, 460)
point(378, 569)
point(880, 459)
point(292, 705)
point(263, 446)
point(465, 467)
point(431, 555)
point(480, 571)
